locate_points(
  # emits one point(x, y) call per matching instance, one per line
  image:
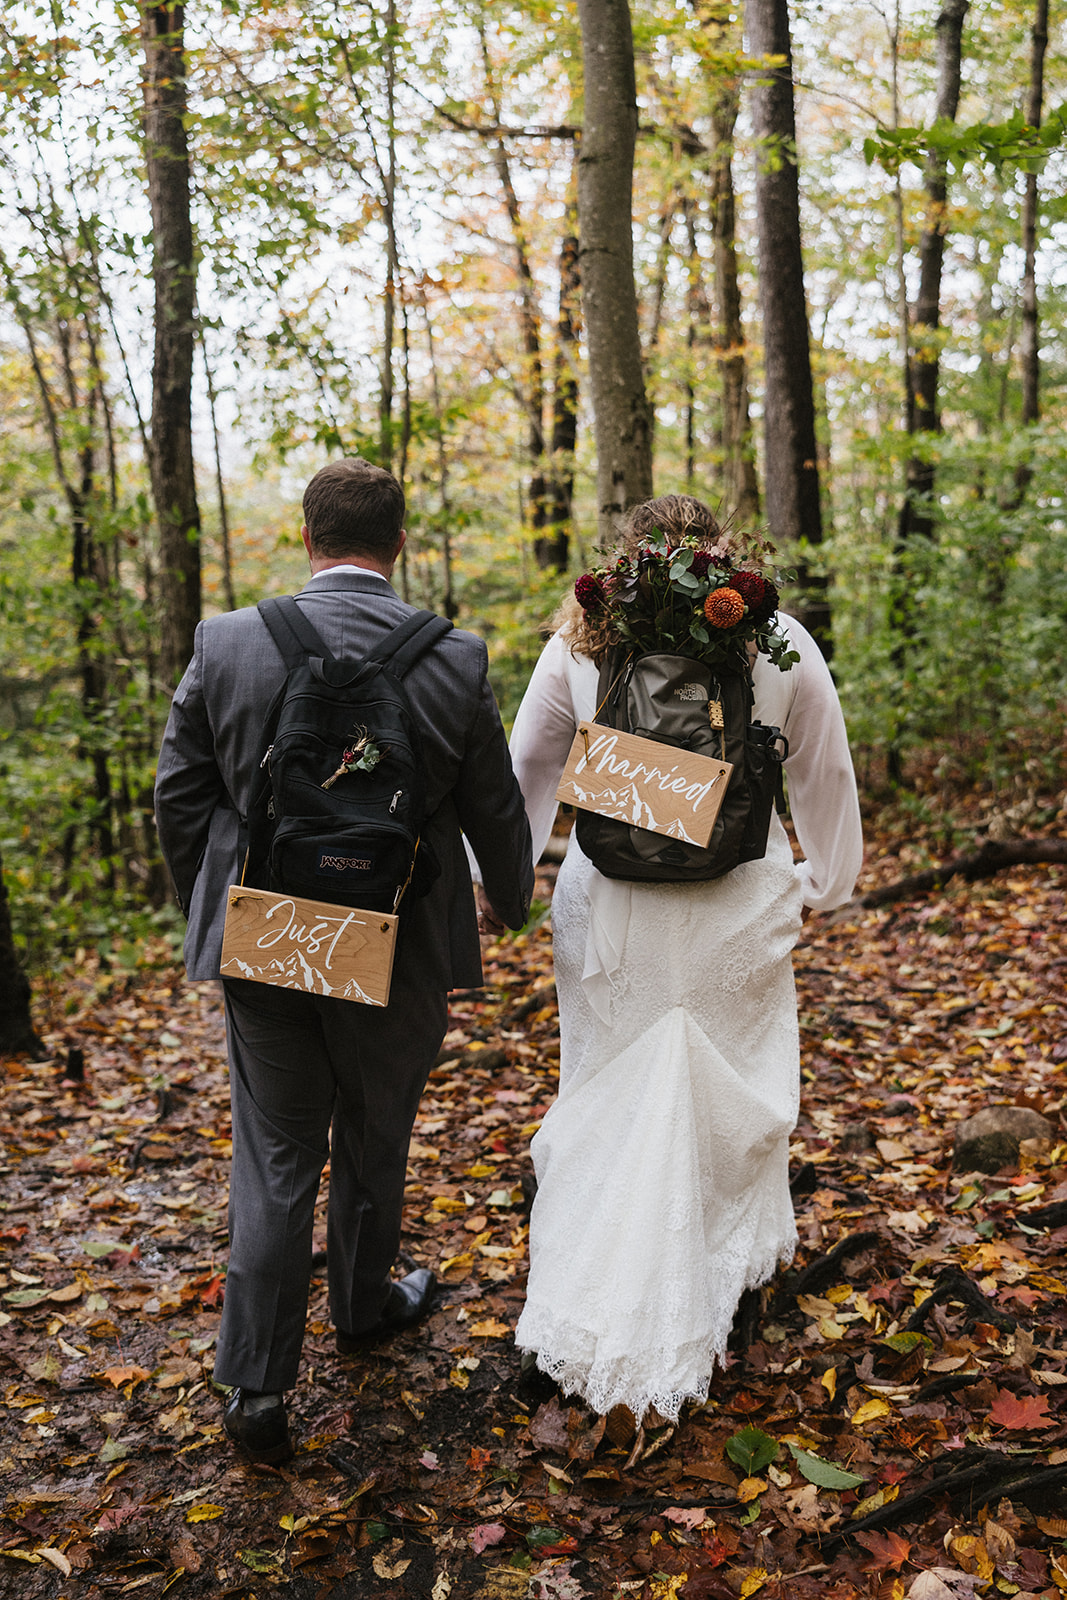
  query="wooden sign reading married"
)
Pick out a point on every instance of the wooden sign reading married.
point(308, 945)
point(645, 783)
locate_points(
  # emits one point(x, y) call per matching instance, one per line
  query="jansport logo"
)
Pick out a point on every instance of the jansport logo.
point(343, 864)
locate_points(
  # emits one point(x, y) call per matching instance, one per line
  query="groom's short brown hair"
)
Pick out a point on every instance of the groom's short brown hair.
point(353, 509)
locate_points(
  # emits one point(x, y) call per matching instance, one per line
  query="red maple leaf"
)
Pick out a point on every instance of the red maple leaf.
point(887, 1550)
point(478, 1459)
point(212, 1292)
point(1020, 1411)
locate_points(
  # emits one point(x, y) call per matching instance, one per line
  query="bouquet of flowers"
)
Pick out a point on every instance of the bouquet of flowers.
point(687, 601)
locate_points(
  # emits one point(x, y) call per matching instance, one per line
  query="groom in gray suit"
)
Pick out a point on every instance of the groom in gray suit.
point(313, 1078)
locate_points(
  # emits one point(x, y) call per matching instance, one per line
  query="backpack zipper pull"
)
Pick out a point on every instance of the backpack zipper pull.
point(266, 757)
point(394, 801)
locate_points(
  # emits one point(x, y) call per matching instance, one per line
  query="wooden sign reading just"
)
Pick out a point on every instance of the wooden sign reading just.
point(645, 783)
point(308, 945)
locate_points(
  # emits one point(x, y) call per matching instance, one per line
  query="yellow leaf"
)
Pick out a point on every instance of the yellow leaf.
point(1040, 1280)
point(205, 1512)
point(874, 1502)
point(459, 1379)
point(751, 1488)
point(447, 1202)
point(829, 1381)
point(465, 1261)
point(870, 1411)
point(754, 1581)
point(839, 1294)
point(481, 1171)
point(490, 1328)
point(667, 1588)
point(120, 1375)
point(972, 1555)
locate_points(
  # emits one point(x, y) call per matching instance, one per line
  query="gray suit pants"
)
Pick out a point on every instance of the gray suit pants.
point(313, 1078)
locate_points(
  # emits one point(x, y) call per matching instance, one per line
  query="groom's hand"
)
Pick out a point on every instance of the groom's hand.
point(489, 924)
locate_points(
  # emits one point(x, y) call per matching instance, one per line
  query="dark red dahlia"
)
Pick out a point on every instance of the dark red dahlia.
point(702, 560)
point(751, 587)
point(589, 592)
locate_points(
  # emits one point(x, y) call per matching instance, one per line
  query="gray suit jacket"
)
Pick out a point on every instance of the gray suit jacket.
point(214, 742)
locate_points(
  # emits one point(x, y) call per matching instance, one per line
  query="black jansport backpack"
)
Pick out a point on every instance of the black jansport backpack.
point(339, 814)
point(678, 701)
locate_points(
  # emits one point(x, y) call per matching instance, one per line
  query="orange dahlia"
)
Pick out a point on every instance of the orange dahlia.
point(724, 607)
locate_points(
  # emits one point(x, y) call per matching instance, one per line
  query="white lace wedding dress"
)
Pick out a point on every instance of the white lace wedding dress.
point(662, 1166)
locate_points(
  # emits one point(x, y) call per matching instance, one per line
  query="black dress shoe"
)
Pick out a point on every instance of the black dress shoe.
point(410, 1299)
point(257, 1422)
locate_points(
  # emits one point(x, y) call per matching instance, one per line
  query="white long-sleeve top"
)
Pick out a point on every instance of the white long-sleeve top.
point(802, 702)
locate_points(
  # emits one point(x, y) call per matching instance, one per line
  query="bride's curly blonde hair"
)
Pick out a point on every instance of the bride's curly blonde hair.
point(681, 518)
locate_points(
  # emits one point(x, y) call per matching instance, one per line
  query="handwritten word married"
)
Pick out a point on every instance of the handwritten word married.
point(660, 788)
point(602, 757)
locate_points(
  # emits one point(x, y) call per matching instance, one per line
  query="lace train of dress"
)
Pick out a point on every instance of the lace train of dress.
point(662, 1167)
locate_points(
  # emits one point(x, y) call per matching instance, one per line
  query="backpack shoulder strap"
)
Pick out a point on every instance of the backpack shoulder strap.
point(410, 640)
point(291, 631)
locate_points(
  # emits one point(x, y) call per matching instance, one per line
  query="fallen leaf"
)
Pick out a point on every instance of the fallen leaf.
point(752, 1450)
point(205, 1512)
point(491, 1328)
point(1020, 1411)
point(871, 1411)
point(683, 1517)
point(823, 1473)
point(486, 1535)
point(120, 1375)
point(56, 1558)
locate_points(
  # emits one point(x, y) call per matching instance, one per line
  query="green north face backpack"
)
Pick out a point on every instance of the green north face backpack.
point(675, 700)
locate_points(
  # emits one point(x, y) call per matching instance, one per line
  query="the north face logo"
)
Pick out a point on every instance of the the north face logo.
point(343, 864)
point(691, 691)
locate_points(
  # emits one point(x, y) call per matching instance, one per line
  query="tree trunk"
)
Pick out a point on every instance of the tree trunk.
point(1029, 353)
point(17, 1036)
point(553, 550)
point(923, 364)
point(740, 488)
point(922, 373)
point(791, 471)
point(531, 387)
point(621, 411)
point(174, 274)
point(392, 261)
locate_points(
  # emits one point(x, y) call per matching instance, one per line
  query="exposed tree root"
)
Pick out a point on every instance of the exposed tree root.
point(992, 857)
point(952, 1284)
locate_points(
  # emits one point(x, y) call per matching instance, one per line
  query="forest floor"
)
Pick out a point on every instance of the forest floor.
point(896, 1426)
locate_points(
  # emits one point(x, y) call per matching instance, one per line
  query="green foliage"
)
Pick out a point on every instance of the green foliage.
point(823, 1473)
point(1007, 144)
point(752, 1450)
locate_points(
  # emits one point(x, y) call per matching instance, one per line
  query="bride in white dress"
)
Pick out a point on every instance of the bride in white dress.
point(662, 1167)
